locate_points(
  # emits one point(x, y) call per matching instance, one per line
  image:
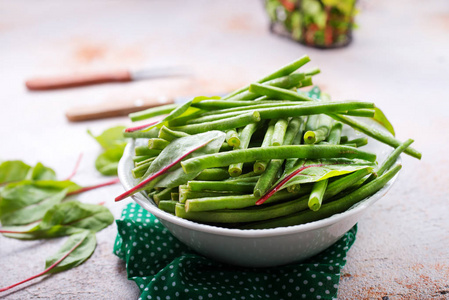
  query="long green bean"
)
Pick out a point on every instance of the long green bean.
point(230, 123)
point(375, 134)
point(260, 165)
point(277, 93)
point(242, 187)
point(320, 132)
point(152, 112)
point(170, 135)
point(245, 137)
point(285, 70)
point(252, 154)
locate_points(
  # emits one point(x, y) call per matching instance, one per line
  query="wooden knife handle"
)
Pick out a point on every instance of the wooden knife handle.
point(113, 109)
point(49, 83)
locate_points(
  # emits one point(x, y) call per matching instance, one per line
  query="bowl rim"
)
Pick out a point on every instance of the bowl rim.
point(147, 204)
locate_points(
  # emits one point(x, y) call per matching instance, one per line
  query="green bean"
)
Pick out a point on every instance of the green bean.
point(152, 112)
point(367, 113)
point(334, 136)
point(252, 154)
point(175, 196)
point(392, 158)
point(152, 133)
point(359, 142)
point(150, 159)
point(232, 201)
point(375, 134)
point(244, 136)
point(232, 112)
point(216, 106)
point(286, 82)
point(213, 174)
point(140, 170)
point(277, 93)
point(185, 194)
point(140, 158)
point(199, 186)
point(316, 196)
point(260, 165)
point(170, 135)
point(285, 70)
point(157, 143)
point(234, 122)
point(168, 206)
point(306, 82)
point(268, 177)
point(232, 138)
point(313, 72)
point(279, 131)
point(165, 194)
point(344, 139)
point(320, 132)
point(311, 108)
point(290, 162)
point(144, 150)
point(331, 208)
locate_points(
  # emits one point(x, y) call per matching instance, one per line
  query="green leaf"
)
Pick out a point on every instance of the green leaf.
point(28, 201)
point(107, 162)
point(13, 170)
point(111, 137)
point(323, 169)
point(65, 219)
point(41, 172)
point(80, 246)
point(380, 118)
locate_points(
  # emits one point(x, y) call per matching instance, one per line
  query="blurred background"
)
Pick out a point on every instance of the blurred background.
point(398, 58)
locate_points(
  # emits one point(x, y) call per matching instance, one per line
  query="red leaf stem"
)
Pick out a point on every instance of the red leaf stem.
point(88, 188)
point(284, 181)
point(131, 129)
point(77, 164)
point(46, 270)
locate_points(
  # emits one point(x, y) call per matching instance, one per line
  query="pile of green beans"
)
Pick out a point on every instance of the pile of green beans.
point(272, 130)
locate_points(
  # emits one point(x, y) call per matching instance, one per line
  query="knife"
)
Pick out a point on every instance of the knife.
point(116, 108)
point(75, 80)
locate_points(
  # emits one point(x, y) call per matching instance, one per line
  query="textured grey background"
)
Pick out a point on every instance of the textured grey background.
point(399, 59)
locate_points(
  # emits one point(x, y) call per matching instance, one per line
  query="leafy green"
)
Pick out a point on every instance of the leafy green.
point(113, 143)
point(380, 118)
point(316, 170)
point(27, 201)
point(110, 138)
point(107, 162)
point(80, 246)
point(13, 170)
point(65, 219)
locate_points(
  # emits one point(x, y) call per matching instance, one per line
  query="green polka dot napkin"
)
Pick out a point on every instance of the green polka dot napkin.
point(164, 268)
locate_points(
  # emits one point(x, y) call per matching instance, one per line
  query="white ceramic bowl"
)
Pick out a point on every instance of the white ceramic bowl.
point(261, 247)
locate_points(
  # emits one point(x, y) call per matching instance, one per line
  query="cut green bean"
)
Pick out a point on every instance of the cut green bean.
point(232, 138)
point(261, 165)
point(157, 143)
point(144, 150)
point(285, 70)
point(170, 135)
point(140, 158)
point(141, 169)
point(316, 196)
point(152, 112)
point(277, 93)
point(150, 159)
point(375, 134)
point(223, 125)
point(252, 154)
point(185, 194)
point(232, 201)
point(334, 136)
point(168, 206)
point(141, 134)
point(279, 131)
point(358, 142)
point(245, 137)
point(165, 194)
point(175, 196)
point(321, 130)
point(213, 174)
point(366, 113)
point(242, 187)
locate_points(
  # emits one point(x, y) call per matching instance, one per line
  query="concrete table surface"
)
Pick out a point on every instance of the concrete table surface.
point(399, 59)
